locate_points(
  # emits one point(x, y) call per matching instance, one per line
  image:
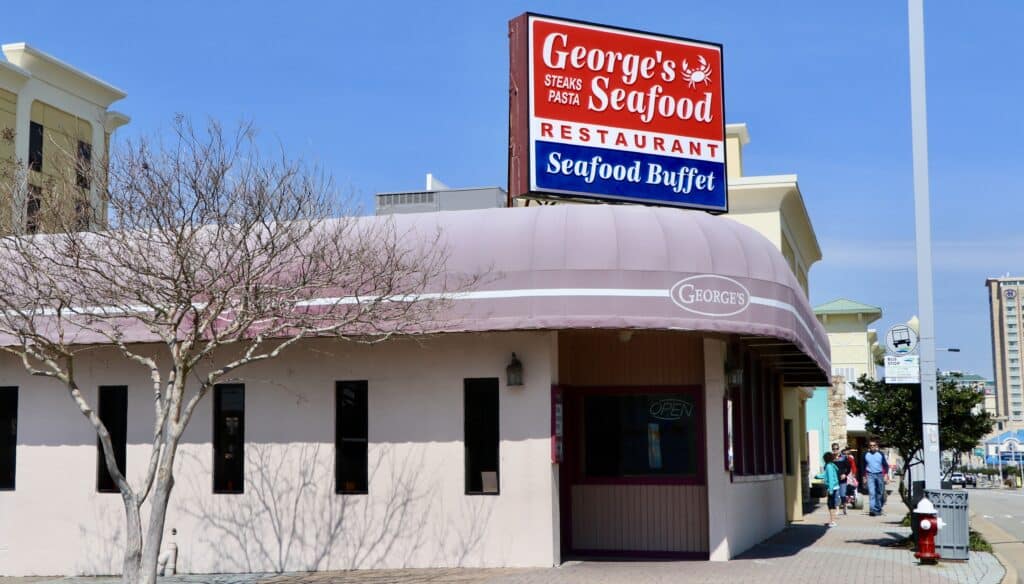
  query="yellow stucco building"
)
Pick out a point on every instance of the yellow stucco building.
point(54, 120)
point(855, 352)
point(774, 206)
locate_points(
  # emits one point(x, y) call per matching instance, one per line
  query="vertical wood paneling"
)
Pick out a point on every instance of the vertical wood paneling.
point(670, 518)
point(599, 358)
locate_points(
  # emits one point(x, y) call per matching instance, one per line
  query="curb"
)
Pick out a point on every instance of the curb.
point(1003, 544)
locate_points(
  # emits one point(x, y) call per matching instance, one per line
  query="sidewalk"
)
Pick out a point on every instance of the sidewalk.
point(859, 550)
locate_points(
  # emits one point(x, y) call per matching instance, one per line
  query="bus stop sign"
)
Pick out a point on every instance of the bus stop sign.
point(901, 340)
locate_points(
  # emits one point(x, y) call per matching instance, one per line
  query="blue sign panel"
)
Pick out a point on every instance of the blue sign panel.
point(630, 176)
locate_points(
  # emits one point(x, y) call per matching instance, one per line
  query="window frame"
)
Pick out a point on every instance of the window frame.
point(493, 384)
point(217, 410)
point(759, 455)
point(14, 445)
point(695, 392)
point(339, 386)
point(119, 447)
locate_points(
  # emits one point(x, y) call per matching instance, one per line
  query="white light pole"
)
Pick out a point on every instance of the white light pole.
point(923, 233)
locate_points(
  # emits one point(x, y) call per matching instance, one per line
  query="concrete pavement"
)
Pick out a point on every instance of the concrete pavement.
point(861, 549)
point(998, 515)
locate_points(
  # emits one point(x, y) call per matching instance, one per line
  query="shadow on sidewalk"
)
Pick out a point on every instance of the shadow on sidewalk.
point(891, 539)
point(788, 542)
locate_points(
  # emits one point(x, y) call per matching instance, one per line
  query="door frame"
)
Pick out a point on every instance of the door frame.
point(569, 471)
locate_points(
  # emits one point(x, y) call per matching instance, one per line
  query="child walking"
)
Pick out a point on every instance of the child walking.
point(831, 476)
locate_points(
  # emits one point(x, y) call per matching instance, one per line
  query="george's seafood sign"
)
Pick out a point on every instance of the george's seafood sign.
point(604, 113)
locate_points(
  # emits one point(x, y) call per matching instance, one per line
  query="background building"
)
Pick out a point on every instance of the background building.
point(53, 116)
point(855, 352)
point(987, 388)
point(1004, 297)
point(438, 196)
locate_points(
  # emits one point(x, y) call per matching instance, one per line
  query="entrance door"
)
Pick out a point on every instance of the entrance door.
point(633, 478)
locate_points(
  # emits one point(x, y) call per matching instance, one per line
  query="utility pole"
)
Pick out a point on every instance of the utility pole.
point(923, 233)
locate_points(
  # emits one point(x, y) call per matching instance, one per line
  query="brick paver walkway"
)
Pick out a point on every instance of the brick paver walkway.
point(859, 550)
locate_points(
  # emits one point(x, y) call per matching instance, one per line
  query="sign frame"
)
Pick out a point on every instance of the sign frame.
point(521, 156)
point(557, 425)
point(897, 368)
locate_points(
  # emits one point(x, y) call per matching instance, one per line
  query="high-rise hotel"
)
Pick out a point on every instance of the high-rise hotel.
point(1004, 296)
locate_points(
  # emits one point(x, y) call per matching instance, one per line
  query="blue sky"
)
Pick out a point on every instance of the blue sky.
point(382, 93)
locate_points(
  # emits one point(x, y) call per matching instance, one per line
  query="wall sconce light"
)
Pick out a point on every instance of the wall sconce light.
point(514, 372)
point(733, 375)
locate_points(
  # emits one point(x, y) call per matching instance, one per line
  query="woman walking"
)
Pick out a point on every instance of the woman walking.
point(831, 476)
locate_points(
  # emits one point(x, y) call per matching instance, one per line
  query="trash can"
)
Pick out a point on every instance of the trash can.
point(953, 540)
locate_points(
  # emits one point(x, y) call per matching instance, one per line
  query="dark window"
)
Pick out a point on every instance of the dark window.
point(84, 168)
point(748, 453)
point(35, 146)
point(757, 421)
point(788, 425)
point(777, 430)
point(83, 215)
point(654, 435)
point(8, 436)
point(113, 411)
point(350, 430)
point(228, 438)
point(32, 208)
point(481, 435)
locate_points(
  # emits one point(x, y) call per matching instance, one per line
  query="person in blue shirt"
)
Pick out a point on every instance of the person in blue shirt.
point(831, 477)
point(876, 472)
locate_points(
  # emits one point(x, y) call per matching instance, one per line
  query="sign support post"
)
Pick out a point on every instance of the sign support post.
point(923, 236)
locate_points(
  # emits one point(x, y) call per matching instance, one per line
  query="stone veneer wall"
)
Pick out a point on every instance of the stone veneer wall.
point(837, 411)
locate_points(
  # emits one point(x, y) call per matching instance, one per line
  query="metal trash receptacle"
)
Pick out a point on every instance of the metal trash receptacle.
point(953, 540)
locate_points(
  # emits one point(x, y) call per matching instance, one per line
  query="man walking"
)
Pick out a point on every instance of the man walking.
point(877, 473)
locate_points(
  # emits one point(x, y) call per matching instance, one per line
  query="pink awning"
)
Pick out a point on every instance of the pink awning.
point(612, 267)
point(629, 267)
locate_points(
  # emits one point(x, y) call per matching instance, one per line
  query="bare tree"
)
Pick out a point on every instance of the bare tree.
point(218, 256)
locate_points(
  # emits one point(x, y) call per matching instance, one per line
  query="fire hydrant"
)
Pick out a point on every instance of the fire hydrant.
point(930, 525)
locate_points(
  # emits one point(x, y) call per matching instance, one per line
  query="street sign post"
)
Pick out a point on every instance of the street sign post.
point(923, 237)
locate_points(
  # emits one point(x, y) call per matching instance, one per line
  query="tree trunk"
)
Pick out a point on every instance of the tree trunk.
point(130, 570)
point(157, 517)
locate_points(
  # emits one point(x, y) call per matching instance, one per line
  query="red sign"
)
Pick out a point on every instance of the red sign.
point(606, 113)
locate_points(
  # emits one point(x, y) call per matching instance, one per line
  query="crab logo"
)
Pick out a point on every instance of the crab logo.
point(710, 295)
point(699, 74)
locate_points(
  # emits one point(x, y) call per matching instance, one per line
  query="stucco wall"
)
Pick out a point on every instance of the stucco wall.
point(852, 349)
point(289, 517)
point(740, 515)
point(767, 223)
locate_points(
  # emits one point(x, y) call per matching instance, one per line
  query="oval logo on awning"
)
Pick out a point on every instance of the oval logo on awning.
point(710, 295)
